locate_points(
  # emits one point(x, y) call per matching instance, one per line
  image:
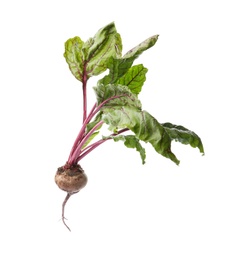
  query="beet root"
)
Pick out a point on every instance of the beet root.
point(70, 178)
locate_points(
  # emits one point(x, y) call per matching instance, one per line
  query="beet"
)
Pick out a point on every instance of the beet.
point(70, 178)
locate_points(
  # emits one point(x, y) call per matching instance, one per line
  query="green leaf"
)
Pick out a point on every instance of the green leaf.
point(105, 44)
point(118, 95)
point(74, 57)
point(143, 46)
point(145, 127)
point(134, 78)
point(91, 58)
point(119, 66)
point(183, 135)
point(131, 141)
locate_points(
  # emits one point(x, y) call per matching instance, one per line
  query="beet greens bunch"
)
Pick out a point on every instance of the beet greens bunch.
point(117, 105)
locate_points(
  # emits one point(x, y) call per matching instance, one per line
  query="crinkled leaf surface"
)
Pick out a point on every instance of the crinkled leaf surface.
point(183, 135)
point(119, 66)
point(145, 45)
point(134, 78)
point(91, 58)
point(105, 44)
point(74, 56)
point(145, 127)
point(117, 92)
point(131, 141)
point(118, 96)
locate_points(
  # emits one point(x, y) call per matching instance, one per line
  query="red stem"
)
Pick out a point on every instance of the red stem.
point(91, 147)
point(81, 136)
point(84, 91)
point(82, 142)
point(82, 131)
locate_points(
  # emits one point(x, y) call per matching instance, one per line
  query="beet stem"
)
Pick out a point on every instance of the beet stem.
point(93, 146)
point(82, 131)
point(84, 92)
point(77, 152)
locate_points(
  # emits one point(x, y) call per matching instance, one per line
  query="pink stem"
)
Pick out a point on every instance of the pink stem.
point(82, 131)
point(85, 138)
point(79, 140)
point(91, 147)
point(84, 91)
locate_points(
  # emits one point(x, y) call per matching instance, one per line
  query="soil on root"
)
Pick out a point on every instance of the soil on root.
point(71, 178)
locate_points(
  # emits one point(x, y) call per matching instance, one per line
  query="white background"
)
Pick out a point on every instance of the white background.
point(127, 210)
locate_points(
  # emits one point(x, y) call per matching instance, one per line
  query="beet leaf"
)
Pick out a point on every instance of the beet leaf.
point(118, 105)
